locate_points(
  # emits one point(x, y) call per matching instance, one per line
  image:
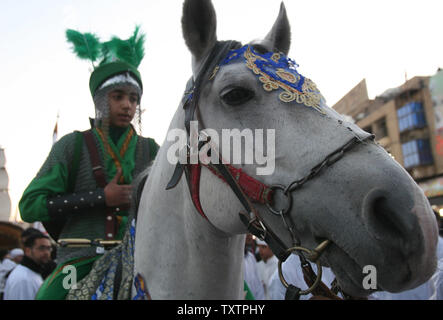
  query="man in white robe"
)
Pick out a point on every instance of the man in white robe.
point(293, 274)
point(266, 266)
point(251, 276)
point(25, 280)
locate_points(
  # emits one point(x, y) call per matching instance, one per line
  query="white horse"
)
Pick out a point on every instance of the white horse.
point(366, 205)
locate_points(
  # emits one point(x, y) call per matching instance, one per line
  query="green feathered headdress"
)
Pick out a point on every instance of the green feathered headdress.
point(115, 56)
point(85, 45)
point(130, 51)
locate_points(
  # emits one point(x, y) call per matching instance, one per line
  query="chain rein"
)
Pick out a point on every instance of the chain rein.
point(313, 255)
point(296, 184)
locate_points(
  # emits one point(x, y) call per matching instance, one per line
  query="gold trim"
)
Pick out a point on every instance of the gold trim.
point(123, 149)
point(78, 242)
point(310, 95)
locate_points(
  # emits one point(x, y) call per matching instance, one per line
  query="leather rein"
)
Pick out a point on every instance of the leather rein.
point(247, 189)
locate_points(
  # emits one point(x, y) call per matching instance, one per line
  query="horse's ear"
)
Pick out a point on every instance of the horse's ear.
point(199, 26)
point(280, 34)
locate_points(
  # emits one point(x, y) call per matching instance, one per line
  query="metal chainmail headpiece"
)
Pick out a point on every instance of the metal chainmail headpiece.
point(101, 102)
point(276, 71)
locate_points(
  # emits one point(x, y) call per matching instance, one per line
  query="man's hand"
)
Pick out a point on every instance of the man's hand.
point(115, 194)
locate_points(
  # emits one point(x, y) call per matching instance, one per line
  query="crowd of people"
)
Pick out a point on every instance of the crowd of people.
point(261, 272)
point(23, 270)
point(262, 279)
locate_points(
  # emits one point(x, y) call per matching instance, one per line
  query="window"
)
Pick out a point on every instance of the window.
point(411, 116)
point(416, 153)
point(381, 129)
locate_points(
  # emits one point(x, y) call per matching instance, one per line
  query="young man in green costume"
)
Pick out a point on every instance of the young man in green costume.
point(83, 194)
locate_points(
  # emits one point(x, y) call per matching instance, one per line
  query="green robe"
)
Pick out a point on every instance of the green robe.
point(53, 179)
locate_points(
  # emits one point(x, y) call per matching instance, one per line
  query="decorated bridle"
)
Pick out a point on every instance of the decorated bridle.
point(276, 72)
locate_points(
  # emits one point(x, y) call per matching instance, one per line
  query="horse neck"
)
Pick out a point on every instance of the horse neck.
point(190, 258)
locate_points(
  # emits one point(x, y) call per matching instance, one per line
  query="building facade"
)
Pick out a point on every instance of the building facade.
point(5, 201)
point(408, 122)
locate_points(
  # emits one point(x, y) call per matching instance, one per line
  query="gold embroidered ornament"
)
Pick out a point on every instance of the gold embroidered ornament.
point(276, 71)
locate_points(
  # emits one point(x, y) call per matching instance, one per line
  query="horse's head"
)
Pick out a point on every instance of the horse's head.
point(365, 203)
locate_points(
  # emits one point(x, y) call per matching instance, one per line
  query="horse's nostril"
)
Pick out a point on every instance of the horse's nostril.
point(389, 218)
point(384, 220)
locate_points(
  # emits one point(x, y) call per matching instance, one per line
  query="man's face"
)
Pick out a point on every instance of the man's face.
point(249, 240)
point(265, 252)
point(40, 251)
point(122, 105)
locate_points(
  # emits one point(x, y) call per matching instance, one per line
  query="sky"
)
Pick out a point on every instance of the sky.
point(336, 43)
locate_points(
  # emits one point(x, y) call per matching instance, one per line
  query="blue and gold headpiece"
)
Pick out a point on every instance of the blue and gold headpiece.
point(276, 71)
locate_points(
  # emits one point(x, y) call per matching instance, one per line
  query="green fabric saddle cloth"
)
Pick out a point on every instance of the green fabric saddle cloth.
point(111, 275)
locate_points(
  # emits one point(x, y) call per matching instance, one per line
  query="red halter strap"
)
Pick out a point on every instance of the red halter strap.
point(254, 189)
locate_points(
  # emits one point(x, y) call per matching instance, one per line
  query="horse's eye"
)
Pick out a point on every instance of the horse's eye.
point(237, 96)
